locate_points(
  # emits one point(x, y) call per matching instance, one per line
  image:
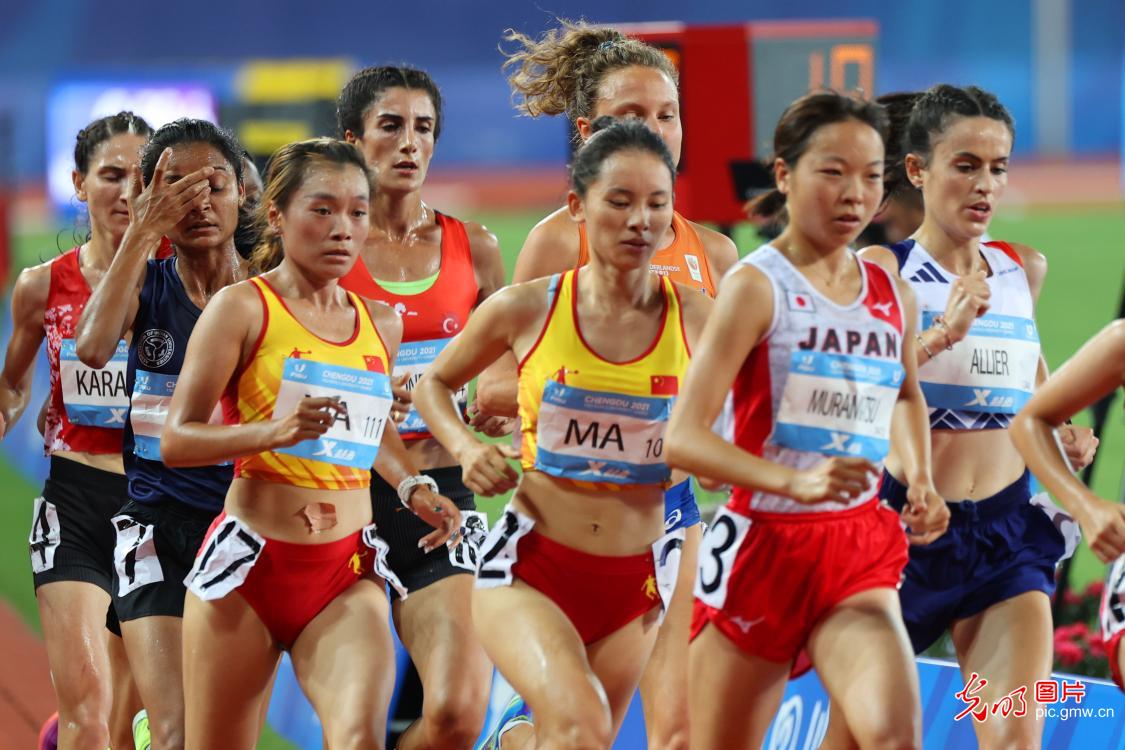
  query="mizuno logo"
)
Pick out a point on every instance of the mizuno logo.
point(745, 625)
point(883, 308)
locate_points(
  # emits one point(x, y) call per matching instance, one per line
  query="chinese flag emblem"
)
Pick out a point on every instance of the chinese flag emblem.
point(373, 364)
point(665, 385)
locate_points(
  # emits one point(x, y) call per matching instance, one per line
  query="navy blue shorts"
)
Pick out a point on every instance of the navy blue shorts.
point(680, 508)
point(995, 549)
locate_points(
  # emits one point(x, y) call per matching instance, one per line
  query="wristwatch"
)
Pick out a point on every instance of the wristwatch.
point(407, 486)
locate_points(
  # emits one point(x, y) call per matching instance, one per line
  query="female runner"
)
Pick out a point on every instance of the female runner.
point(1096, 371)
point(434, 270)
point(804, 555)
point(192, 177)
point(71, 537)
point(585, 73)
point(304, 365)
point(990, 579)
point(573, 578)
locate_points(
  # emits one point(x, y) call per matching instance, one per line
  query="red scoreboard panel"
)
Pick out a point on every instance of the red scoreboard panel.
point(736, 80)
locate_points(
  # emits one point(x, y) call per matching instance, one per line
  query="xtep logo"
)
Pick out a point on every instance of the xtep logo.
point(838, 442)
point(980, 397)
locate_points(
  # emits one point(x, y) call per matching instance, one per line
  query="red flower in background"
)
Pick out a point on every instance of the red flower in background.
point(1068, 653)
point(1073, 631)
point(1078, 643)
point(1097, 646)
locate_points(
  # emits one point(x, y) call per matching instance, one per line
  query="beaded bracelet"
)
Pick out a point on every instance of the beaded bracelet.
point(925, 348)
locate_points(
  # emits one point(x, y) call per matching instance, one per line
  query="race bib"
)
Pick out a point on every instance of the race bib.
point(1112, 610)
point(92, 397)
point(838, 404)
point(595, 436)
point(991, 370)
point(226, 559)
point(152, 394)
point(414, 358)
point(666, 553)
point(354, 437)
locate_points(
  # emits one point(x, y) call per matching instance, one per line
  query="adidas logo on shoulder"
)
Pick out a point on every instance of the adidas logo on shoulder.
point(927, 273)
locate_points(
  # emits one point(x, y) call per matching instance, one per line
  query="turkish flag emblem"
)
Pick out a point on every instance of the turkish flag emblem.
point(373, 364)
point(665, 385)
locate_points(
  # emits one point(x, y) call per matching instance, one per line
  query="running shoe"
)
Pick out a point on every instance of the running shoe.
point(142, 738)
point(515, 713)
point(49, 733)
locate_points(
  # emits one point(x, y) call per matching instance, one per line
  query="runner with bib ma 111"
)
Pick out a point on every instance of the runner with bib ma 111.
point(294, 563)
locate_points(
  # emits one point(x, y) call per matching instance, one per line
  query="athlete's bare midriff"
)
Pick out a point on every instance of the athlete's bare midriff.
point(278, 511)
point(968, 465)
point(599, 522)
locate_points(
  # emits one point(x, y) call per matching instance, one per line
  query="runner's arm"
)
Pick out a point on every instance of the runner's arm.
point(29, 301)
point(214, 353)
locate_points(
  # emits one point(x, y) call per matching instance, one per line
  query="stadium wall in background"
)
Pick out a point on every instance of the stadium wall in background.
point(989, 44)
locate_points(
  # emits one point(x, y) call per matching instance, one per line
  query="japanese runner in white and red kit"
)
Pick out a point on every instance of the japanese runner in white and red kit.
point(823, 382)
point(810, 342)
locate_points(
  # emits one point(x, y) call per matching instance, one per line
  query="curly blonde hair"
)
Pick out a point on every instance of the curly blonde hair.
point(560, 73)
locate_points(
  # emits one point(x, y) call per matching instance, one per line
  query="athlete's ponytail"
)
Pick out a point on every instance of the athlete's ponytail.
point(289, 168)
point(560, 73)
point(899, 107)
point(799, 123)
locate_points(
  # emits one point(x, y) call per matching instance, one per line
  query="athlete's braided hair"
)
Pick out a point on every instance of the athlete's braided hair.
point(938, 106)
point(899, 106)
point(101, 130)
point(561, 71)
